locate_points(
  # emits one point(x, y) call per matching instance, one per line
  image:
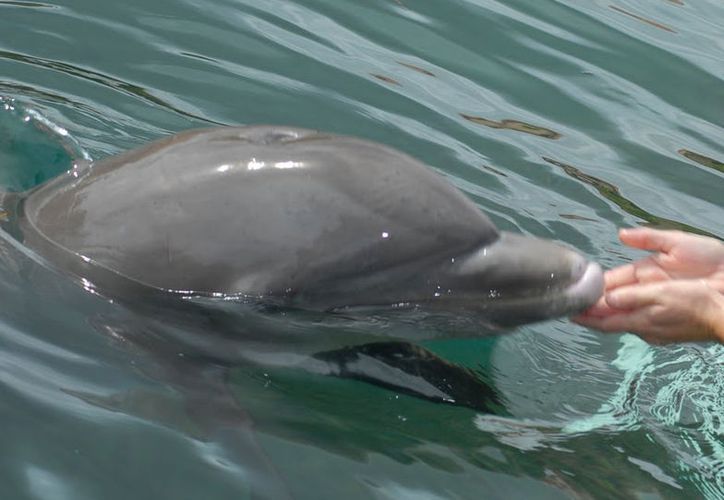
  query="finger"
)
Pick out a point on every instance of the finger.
point(654, 240)
point(635, 322)
point(650, 269)
point(634, 297)
point(643, 271)
point(620, 276)
point(599, 309)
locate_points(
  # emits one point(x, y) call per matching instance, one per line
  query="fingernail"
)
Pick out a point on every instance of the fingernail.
point(613, 299)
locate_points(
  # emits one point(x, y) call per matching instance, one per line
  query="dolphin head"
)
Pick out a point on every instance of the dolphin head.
point(300, 218)
point(516, 279)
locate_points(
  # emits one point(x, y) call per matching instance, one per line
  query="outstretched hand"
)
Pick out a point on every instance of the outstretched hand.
point(673, 295)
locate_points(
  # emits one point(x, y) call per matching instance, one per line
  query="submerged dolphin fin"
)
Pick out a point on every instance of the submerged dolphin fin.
point(413, 370)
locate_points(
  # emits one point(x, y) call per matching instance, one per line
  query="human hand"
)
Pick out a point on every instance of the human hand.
point(674, 295)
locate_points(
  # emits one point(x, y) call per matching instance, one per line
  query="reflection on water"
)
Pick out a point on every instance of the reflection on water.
point(416, 68)
point(386, 79)
point(612, 193)
point(576, 217)
point(702, 160)
point(100, 78)
point(31, 5)
point(514, 125)
point(638, 17)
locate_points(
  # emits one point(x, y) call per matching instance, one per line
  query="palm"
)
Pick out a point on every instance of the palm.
point(675, 294)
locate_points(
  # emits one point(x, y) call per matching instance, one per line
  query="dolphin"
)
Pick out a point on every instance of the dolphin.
point(192, 228)
point(297, 218)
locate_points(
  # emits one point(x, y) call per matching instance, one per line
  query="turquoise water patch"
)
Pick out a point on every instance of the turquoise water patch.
point(32, 148)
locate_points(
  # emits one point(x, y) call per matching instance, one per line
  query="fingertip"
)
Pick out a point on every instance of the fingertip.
point(628, 231)
point(635, 236)
point(614, 300)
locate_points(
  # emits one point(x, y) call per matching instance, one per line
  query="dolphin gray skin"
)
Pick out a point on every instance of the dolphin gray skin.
point(298, 218)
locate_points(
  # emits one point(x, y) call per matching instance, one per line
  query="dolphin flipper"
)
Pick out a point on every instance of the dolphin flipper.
point(414, 370)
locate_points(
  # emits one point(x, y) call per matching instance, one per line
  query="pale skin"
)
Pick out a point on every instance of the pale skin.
point(674, 295)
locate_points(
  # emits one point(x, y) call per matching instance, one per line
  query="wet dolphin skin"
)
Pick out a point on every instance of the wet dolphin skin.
point(298, 217)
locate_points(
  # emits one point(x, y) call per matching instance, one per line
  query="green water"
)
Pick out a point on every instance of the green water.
point(561, 119)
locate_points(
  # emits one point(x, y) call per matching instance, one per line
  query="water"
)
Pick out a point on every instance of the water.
point(561, 119)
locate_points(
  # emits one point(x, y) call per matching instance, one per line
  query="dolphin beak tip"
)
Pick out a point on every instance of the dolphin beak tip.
point(589, 286)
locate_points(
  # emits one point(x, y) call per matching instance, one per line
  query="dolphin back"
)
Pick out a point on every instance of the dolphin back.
point(272, 211)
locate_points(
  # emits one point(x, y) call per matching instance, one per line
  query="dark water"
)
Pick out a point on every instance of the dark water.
point(561, 119)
